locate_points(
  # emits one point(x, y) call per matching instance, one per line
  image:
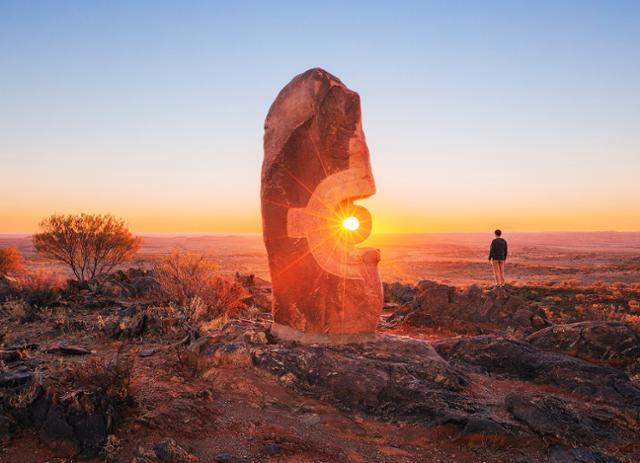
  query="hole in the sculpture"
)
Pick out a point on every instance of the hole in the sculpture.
point(351, 223)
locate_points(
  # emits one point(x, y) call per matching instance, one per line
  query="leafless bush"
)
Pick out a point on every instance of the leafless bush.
point(11, 261)
point(191, 281)
point(91, 245)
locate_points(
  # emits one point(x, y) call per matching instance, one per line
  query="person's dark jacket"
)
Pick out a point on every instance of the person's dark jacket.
point(498, 249)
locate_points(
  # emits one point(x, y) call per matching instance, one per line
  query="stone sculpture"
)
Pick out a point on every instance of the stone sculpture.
point(316, 164)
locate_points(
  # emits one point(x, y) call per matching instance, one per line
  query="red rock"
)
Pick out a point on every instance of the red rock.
point(316, 164)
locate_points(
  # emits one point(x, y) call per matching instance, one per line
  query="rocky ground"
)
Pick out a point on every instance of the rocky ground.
point(523, 374)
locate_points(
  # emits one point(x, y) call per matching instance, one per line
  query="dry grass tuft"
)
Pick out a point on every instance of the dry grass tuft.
point(91, 384)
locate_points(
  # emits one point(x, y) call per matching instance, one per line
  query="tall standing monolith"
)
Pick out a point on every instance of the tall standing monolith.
point(316, 164)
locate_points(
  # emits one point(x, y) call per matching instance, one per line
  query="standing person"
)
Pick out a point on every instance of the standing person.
point(497, 256)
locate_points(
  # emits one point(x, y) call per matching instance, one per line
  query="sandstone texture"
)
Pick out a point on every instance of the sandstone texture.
point(316, 164)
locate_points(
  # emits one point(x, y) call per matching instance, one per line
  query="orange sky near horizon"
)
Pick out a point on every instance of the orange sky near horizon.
point(386, 219)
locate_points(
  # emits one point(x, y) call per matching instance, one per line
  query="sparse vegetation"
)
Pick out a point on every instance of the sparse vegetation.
point(15, 309)
point(40, 287)
point(11, 261)
point(191, 280)
point(182, 275)
point(97, 377)
point(87, 399)
point(91, 245)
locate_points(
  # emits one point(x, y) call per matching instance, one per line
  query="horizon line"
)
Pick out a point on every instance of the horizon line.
point(220, 234)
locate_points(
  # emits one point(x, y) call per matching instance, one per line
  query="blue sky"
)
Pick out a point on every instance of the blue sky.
point(521, 114)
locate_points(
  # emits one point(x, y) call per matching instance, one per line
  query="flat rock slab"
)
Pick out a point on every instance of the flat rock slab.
point(68, 350)
point(9, 355)
point(17, 377)
point(149, 352)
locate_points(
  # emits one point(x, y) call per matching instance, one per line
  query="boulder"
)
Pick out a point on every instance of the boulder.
point(434, 298)
point(609, 342)
point(168, 451)
point(399, 293)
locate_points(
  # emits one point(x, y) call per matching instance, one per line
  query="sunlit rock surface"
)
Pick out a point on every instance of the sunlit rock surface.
point(316, 163)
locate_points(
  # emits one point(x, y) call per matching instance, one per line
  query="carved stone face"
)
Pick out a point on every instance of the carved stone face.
point(316, 165)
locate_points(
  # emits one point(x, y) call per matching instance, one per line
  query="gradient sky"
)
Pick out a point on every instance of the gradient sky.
point(522, 115)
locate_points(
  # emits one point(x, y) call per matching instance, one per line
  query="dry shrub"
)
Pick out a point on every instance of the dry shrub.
point(11, 261)
point(85, 386)
point(15, 309)
point(91, 245)
point(24, 397)
point(192, 281)
point(40, 287)
point(225, 297)
point(182, 275)
point(95, 383)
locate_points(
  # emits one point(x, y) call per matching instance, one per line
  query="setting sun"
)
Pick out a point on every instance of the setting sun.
point(351, 223)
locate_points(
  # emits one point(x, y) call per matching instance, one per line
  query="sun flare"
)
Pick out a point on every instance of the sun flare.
point(351, 223)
